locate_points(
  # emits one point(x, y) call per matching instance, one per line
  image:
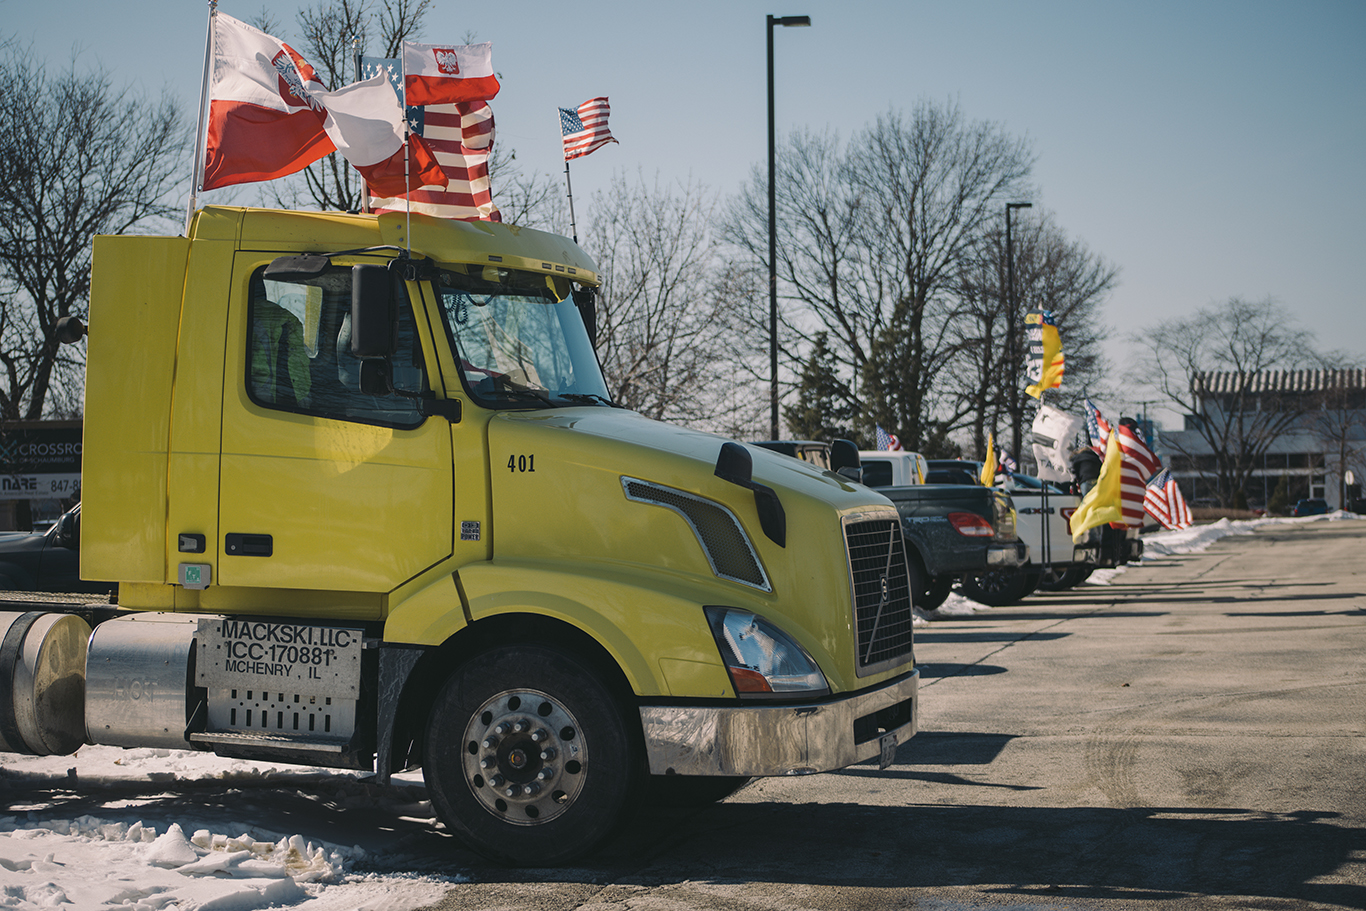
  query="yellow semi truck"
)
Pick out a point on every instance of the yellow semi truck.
point(369, 505)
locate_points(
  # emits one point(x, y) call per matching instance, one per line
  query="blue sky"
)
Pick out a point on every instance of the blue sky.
point(1208, 149)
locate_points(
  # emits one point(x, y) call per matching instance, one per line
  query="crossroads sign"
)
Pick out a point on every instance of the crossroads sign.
point(40, 460)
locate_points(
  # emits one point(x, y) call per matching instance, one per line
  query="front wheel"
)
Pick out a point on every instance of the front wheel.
point(996, 589)
point(529, 759)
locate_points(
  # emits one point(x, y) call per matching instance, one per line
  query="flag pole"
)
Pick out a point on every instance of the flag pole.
point(364, 187)
point(573, 228)
point(199, 139)
point(407, 178)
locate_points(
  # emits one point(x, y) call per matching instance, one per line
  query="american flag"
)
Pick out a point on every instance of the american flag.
point(1139, 465)
point(1164, 502)
point(886, 441)
point(461, 135)
point(1096, 427)
point(585, 129)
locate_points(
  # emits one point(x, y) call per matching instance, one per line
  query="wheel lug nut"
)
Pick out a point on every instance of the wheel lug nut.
point(489, 743)
point(545, 774)
point(519, 726)
point(529, 789)
point(548, 753)
point(539, 734)
point(511, 790)
point(502, 728)
point(495, 781)
point(487, 762)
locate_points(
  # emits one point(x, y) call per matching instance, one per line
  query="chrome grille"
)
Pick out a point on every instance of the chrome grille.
point(727, 547)
point(882, 592)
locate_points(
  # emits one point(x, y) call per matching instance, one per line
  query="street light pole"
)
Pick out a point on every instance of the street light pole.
point(773, 232)
point(1016, 432)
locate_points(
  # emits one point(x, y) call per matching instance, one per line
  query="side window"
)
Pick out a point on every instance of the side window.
point(299, 353)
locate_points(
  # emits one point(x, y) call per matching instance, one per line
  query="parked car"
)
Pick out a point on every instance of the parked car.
point(47, 561)
point(1311, 506)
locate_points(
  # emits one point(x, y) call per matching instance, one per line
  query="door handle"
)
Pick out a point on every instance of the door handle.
point(240, 545)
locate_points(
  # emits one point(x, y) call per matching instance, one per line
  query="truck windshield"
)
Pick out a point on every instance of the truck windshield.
point(518, 337)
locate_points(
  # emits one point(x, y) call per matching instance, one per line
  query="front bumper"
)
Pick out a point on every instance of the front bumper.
point(758, 740)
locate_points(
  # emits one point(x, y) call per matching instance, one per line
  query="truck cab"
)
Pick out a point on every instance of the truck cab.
point(370, 505)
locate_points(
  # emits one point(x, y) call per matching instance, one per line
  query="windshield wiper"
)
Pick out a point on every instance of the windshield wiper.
point(587, 397)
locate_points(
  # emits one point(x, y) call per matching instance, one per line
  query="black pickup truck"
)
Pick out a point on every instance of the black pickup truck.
point(954, 530)
point(47, 561)
point(950, 529)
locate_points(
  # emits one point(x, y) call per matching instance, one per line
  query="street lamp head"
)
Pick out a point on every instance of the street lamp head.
point(1019, 205)
point(789, 20)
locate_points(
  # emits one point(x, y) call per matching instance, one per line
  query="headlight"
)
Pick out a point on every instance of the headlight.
point(762, 658)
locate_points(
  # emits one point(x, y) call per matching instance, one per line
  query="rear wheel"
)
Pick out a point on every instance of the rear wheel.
point(927, 592)
point(996, 589)
point(529, 759)
point(1060, 580)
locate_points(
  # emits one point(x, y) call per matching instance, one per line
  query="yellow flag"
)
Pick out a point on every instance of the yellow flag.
point(989, 467)
point(1102, 502)
point(1046, 363)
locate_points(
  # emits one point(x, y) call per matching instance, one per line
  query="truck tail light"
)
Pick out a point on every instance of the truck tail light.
point(971, 525)
point(762, 659)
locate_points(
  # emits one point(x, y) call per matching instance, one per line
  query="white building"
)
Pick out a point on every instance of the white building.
point(1310, 423)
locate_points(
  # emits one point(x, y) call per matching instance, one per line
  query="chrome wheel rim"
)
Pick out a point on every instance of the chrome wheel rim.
point(524, 757)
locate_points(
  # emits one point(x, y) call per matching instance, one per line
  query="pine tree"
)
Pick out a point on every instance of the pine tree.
point(824, 409)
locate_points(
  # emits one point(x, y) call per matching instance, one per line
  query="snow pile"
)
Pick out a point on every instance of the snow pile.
point(50, 861)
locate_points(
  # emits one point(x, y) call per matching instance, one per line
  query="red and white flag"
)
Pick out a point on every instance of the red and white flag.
point(365, 122)
point(270, 116)
point(263, 119)
point(584, 129)
point(445, 73)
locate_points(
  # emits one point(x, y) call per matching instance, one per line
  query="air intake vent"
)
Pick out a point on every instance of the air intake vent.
point(725, 543)
point(882, 592)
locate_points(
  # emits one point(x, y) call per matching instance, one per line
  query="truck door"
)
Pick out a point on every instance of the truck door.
point(322, 486)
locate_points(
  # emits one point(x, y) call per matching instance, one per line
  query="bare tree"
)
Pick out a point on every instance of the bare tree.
point(1052, 272)
point(331, 32)
point(1340, 419)
point(872, 235)
point(88, 159)
point(1210, 366)
point(658, 336)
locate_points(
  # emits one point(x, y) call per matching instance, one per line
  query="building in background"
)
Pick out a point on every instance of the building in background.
point(1308, 426)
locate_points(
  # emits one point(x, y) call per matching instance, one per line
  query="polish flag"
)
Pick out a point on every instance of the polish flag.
point(270, 116)
point(446, 74)
point(365, 123)
point(263, 119)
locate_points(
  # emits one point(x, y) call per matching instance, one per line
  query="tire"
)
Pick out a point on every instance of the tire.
point(996, 589)
point(1060, 580)
point(537, 721)
point(1032, 578)
point(686, 791)
point(927, 592)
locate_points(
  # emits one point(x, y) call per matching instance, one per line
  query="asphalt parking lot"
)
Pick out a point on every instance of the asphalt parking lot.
point(1189, 736)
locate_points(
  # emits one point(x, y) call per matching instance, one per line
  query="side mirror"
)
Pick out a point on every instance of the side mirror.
point(374, 318)
point(69, 531)
point(845, 462)
point(586, 299)
point(69, 330)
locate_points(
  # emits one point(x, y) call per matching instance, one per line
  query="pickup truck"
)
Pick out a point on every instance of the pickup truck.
point(1056, 563)
point(47, 561)
point(952, 530)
